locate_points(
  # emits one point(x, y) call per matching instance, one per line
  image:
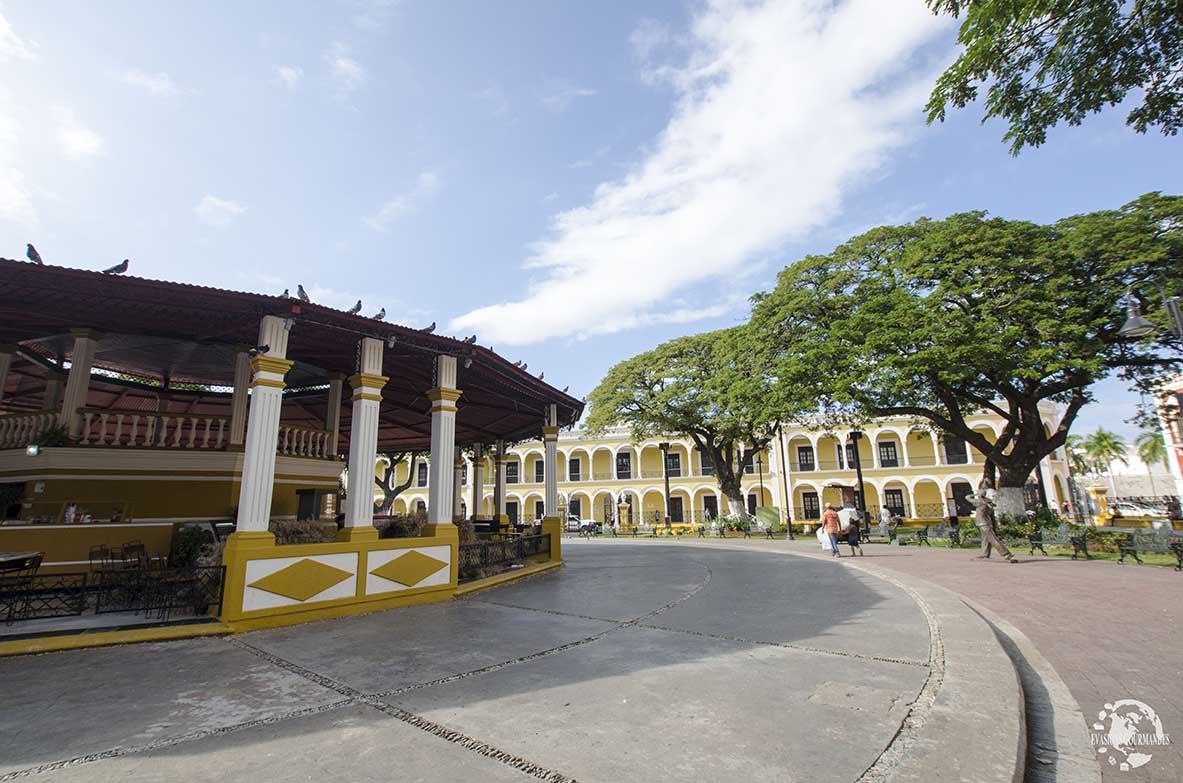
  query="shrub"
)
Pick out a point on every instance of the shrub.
point(56, 435)
point(289, 531)
point(402, 526)
point(188, 544)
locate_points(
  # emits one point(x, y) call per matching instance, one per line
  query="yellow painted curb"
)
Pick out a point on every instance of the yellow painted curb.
point(477, 585)
point(79, 641)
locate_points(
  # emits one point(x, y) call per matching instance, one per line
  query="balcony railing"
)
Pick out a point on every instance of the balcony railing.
point(18, 430)
point(137, 429)
point(304, 442)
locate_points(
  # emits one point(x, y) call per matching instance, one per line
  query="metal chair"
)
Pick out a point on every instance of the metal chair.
point(16, 586)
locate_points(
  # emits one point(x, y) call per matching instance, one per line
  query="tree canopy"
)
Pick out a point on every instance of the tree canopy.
point(1048, 61)
point(939, 319)
point(707, 387)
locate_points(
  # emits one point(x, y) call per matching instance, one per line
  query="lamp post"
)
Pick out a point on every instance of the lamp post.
point(784, 481)
point(665, 469)
point(760, 470)
point(1136, 326)
point(856, 436)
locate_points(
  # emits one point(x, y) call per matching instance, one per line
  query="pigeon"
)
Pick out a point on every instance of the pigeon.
point(286, 294)
point(355, 309)
point(565, 388)
point(300, 292)
point(523, 365)
point(429, 329)
point(378, 316)
point(258, 349)
point(118, 269)
point(34, 256)
point(542, 375)
point(470, 340)
point(517, 364)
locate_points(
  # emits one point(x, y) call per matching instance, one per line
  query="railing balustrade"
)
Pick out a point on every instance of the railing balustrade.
point(304, 442)
point(18, 430)
point(144, 429)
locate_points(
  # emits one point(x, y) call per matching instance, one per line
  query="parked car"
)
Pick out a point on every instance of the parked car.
point(573, 523)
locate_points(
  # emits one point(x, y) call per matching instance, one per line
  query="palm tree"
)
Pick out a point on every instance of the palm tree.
point(1079, 461)
point(1105, 447)
point(1151, 449)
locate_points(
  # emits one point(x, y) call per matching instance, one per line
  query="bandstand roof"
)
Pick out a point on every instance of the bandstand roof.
point(173, 345)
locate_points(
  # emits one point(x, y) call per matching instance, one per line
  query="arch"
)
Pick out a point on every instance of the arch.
point(826, 452)
point(902, 508)
point(687, 503)
point(585, 464)
point(399, 507)
point(920, 447)
point(650, 462)
point(883, 436)
point(1058, 488)
point(585, 503)
point(928, 501)
point(598, 510)
point(800, 440)
point(652, 500)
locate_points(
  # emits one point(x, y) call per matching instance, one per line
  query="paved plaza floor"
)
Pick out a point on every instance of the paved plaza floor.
point(679, 661)
point(632, 662)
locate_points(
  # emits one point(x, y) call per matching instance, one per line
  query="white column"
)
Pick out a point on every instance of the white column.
point(6, 353)
point(477, 482)
point(443, 442)
point(78, 381)
point(936, 448)
point(550, 439)
point(333, 411)
point(240, 398)
point(367, 385)
point(499, 486)
point(55, 384)
point(911, 502)
point(458, 496)
point(904, 448)
point(875, 450)
point(266, 400)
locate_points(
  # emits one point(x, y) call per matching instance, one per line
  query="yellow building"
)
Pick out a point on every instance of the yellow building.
point(906, 466)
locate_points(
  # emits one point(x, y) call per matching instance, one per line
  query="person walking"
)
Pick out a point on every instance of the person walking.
point(832, 525)
point(851, 532)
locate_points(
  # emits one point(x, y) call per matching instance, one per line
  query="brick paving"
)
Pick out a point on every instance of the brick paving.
point(1111, 631)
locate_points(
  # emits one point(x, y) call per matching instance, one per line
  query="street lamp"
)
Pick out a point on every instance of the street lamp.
point(665, 469)
point(760, 469)
point(1136, 326)
point(856, 436)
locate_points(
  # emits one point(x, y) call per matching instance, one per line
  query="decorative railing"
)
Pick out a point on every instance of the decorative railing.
point(477, 560)
point(18, 430)
point(139, 429)
point(304, 442)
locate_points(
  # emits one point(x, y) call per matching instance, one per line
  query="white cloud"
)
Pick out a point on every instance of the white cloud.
point(647, 37)
point(781, 107)
point(75, 139)
point(426, 185)
point(289, 75)
point(158, 84)
point(347, 72)
point(559, 96)
point(217, 212)
point(12, 47)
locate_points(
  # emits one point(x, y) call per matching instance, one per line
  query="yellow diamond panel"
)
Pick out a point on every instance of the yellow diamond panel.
point(300, 581)
point(409, 569)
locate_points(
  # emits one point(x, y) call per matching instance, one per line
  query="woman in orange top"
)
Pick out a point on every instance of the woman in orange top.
point(832, 525)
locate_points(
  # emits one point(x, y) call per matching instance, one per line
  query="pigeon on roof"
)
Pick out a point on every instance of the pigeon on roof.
point(300, 292)
point(378, 316)
point(33, 255)
point(355, 309)
point(429, 329)
point(285, 294)
point(470, 340)
point(118, 269)
point(565, 388)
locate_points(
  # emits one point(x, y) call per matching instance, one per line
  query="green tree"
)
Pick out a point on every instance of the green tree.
point(1105, 448)
point(706, 387)
point(1151, 449)
point(384, 477)
point(1079, 461)
point(1048, 61)
point(941, 319)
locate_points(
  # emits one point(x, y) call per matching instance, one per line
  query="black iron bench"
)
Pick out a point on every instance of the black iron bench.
point(1152, 542)
point(919, 535)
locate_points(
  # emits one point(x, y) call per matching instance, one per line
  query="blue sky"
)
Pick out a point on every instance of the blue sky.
point(575, 182)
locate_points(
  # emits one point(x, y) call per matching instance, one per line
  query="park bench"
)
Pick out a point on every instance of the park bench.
point(947, 531)
point(918, 535)
point(1161, 542)
point(882, 531)
point(1063, 537)
point(767, 531)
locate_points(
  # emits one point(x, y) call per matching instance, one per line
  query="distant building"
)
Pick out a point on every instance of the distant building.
point(1170, 410)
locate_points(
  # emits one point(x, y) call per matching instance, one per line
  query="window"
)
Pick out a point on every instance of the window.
point(673, 465)
point(955, 452)
point(511, 511)
point(810, 507)
point(624, 465)
point(707, 462)
point(574, 472)
point(422, 477)
point(805, 458)
point(893, 499)
point(749, 464)
point(888, 457)
point(838, 455)
point(851, 456)
point(511, 472)
point(421, 507)
point(464, 474)
point(575, 508)
point(539, 471)
point(710, 506)
point(752, 504)
point(539, 509)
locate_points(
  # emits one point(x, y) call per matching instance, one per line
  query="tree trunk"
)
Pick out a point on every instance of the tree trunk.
point(1008, 499)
